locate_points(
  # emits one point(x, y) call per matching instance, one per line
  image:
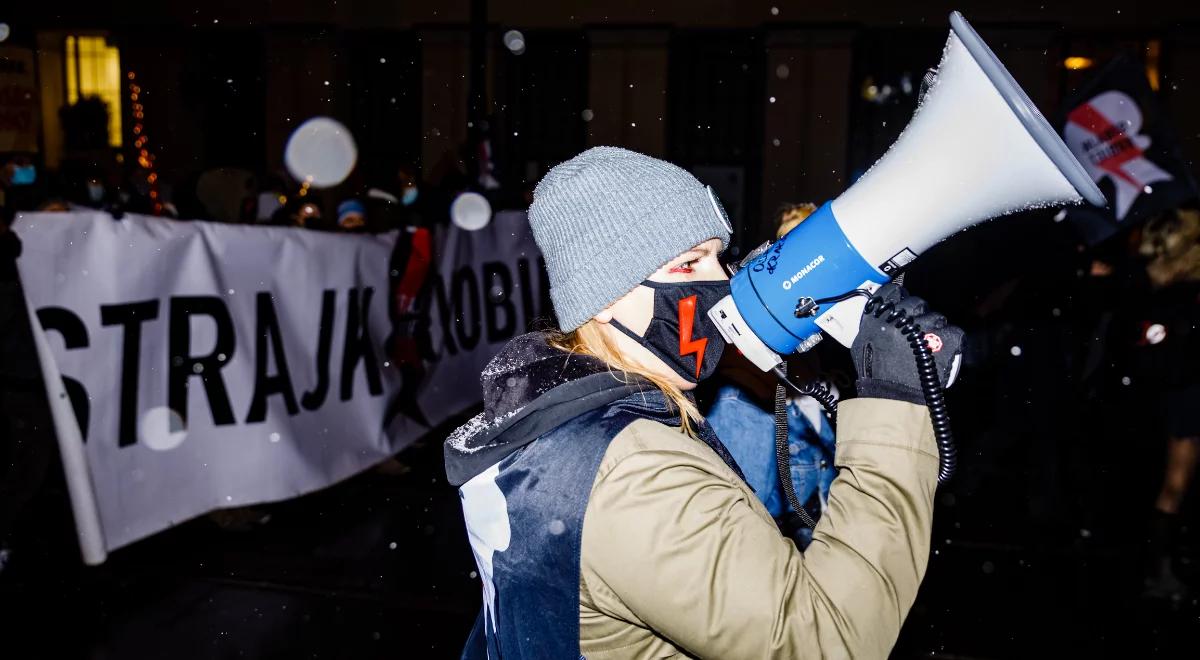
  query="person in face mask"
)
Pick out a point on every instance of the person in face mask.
point(409, 190)
point(606, 517)
point(96, 193)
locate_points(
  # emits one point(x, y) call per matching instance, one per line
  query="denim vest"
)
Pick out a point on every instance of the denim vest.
point(524, 518)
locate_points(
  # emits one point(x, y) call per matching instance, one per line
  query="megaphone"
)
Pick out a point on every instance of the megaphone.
point(976, 149)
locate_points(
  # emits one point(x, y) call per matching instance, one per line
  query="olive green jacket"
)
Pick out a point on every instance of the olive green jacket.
point(679, 557)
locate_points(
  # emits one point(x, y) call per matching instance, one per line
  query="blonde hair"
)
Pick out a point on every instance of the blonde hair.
point(1172, 242)
point(790, 215)
point(590, 339)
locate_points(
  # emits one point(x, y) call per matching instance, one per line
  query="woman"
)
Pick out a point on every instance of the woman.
point(607, 520)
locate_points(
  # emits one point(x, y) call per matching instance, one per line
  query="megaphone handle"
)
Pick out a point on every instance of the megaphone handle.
point(841, 321)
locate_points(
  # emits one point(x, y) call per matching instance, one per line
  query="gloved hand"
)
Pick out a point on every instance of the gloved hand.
point(883, 356)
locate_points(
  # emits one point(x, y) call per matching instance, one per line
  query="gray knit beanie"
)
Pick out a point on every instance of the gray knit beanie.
point(608, 218)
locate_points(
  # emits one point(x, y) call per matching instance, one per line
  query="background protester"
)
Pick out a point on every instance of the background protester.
point(299, 211)
point(27, 449)
point(1168, 348)
point(742, 414)
point(352, 216)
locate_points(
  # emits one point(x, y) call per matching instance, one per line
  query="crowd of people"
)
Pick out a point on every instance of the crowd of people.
point(227, 194)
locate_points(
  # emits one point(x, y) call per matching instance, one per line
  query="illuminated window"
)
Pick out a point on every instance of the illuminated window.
point(94, 69)
point(1076, 63)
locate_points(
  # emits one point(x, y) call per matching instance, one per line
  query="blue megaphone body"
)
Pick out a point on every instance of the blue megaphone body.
point(976, 149)
point(814, 261)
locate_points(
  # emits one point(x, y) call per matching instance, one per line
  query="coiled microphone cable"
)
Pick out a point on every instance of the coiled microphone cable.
point(931, 387)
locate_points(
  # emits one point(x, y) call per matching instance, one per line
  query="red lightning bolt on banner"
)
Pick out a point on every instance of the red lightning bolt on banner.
point(687, 345)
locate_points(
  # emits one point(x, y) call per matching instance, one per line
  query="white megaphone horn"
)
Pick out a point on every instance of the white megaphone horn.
point(976, 149)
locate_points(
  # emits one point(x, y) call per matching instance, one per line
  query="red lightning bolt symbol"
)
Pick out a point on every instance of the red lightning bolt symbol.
point(687, 345)
point(1125, 150)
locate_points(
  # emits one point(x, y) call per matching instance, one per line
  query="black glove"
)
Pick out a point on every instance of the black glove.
point(883, 356)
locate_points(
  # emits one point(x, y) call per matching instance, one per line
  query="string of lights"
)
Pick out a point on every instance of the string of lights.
point(145, 159)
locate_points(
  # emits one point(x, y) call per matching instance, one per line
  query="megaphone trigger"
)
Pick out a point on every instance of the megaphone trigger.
point(841, 321)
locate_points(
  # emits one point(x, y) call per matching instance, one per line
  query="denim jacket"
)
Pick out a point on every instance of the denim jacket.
point(748, 432)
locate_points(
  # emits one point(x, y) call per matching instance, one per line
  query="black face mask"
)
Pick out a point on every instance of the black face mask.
point(681, 334)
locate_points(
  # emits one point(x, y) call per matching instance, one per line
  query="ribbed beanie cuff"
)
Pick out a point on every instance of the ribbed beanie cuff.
point(608, 219)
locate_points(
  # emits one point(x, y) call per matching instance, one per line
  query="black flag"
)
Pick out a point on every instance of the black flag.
point(1115, 127)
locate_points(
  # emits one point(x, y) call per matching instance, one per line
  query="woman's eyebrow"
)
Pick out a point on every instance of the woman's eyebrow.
point(690, 255)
